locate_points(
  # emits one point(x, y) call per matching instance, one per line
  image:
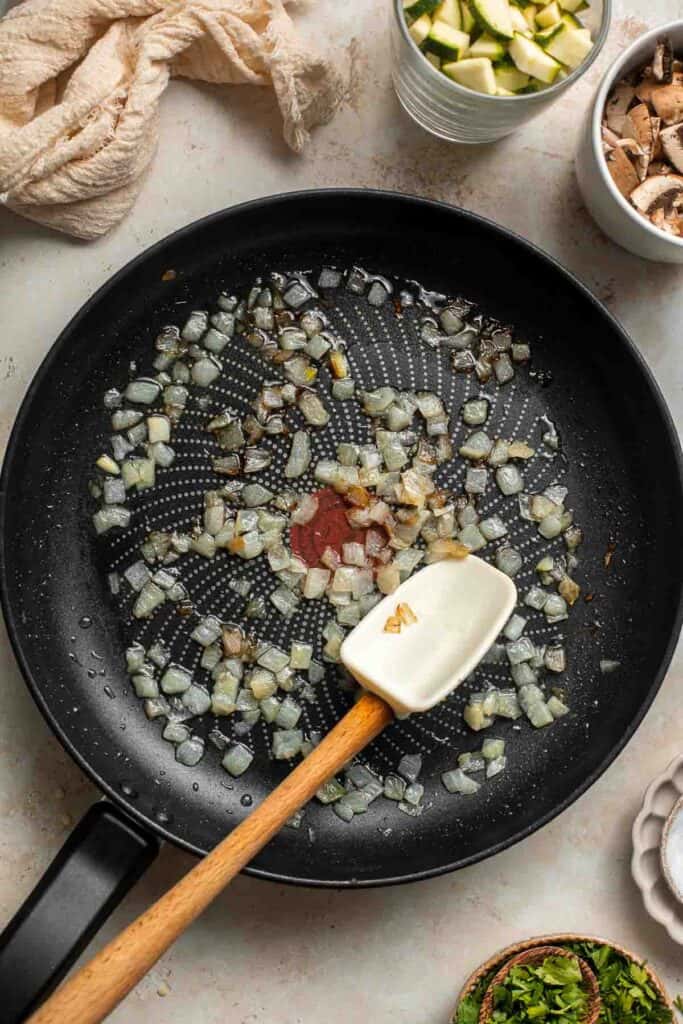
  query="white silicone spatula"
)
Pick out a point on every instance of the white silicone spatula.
point(460, 607)
point(455, 611)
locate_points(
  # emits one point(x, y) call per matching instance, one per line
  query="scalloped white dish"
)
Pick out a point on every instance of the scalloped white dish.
point(661, 796)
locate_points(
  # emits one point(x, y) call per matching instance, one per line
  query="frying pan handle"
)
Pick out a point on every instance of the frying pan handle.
point(101, 860)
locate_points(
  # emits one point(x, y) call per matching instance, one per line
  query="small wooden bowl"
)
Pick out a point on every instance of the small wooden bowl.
point(536, 955)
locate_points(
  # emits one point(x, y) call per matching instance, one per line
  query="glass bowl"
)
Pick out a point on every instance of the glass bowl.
point(457, 114)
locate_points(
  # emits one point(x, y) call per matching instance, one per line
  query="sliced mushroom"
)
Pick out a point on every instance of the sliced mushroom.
point(659, 167)
point(631, 147)
point(645, 87)
point(638, 126)
point(610, 139)
point(657, 151)
point(668, 102)
point(672, 144)
point(667, 221)
point(663, 192)
point(617, 105)
point(663, 61)
point(648, 84)
point(624, 174)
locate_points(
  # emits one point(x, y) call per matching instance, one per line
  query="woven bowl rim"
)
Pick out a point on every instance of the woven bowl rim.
point(556, 939)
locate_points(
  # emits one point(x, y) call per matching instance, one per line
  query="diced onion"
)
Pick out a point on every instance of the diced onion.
point(207, 631)
point(299, 456)
point(509, 561)
point(176, 680)
point(285, 601)
point(475, 412)
point(237, 759)
point(195, 326)
point(535, 598)
point(196, 699)
point(256, 459)
point(190, 752)
point(287, 743)
point(144, 391)
point(206, 370)
point(316, 583)
point(410, 767)
point(509, 479)
point(519, 650)
point(456, 781)
point(305, 510)
point(495, 766)
point(114, 491)
point(313, 410)
point(477, 446)
point(555, 659)
point(108, 465)
point(110, 516)
point(515, 627)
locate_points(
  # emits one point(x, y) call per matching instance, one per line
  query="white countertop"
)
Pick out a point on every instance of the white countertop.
point(277, 955)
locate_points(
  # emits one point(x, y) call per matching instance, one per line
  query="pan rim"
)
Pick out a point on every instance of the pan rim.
point(268, 202)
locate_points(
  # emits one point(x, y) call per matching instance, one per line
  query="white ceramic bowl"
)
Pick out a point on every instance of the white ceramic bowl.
point(452, 112)
point(604, 202)
point(646, 864)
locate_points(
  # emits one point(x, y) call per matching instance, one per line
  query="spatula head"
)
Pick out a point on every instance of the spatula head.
point(460, 607)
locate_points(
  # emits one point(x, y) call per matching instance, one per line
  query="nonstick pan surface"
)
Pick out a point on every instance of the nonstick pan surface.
point(623, 470)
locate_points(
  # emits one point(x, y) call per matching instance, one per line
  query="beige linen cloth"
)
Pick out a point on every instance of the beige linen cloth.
point(81, 80)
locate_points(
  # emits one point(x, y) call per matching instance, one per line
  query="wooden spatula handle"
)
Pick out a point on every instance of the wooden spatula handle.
point(94, 990)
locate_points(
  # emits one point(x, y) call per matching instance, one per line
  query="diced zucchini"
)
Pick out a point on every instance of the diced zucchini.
point(532, 60)
point(536, 85)
point(476, 74)
point(420, 29)
point(449, 11)
point(494, 17)
point(573, 5)
point(519, 22)
point(434, 60)
point(510, 79)
point(446, 42)
point(549, 15)
point(570, 46)
point(468, 22)
point(544, 37)
point(570, 19)
point(504, 92)
point(416, 8)
point(487, 46)
point(530, 13)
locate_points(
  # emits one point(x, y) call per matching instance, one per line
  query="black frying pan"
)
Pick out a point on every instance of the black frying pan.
point(625, 484)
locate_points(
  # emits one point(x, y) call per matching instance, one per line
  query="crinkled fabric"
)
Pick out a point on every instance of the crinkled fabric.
point(81, 81)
